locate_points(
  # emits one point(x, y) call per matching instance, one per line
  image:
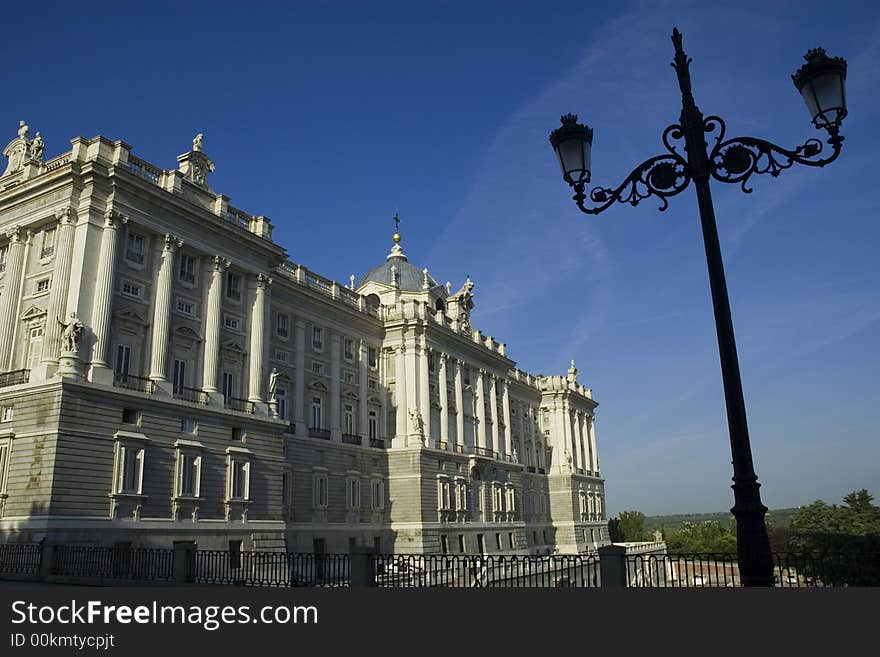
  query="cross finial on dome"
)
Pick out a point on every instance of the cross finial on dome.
point(396, 236)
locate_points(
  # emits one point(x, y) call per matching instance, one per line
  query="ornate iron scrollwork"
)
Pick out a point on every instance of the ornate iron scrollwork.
point(738, 159)
point(662, 176)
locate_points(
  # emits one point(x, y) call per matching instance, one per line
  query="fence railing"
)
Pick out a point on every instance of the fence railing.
point(464, 571)
point(240, 405)
point(20, 558)
point(193, 395)
point(131, 382)
point(126, 563)
point(721, 570)
point(270, 568)
point(14, 377)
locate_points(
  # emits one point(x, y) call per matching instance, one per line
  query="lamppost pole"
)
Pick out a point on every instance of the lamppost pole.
point(821, 82)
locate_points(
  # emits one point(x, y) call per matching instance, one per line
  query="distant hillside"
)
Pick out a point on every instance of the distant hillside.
point(775, 517)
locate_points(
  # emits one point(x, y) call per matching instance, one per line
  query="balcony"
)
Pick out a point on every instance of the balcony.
point(351, 439)
point(193, 395)
point(291, 428)
point(47, 251)
point(188, 277)
point(484, 451)
point(530, 468)
point(377, 443)
point(134, 256)
point(132, 382)
point(442, 444)
point(14, 378)
point(316, 432)
point(236, 404)
point(542, 471)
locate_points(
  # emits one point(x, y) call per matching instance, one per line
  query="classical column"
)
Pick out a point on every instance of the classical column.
point(299, 411)
point(580, 433)
point(591, 428)
point(425, 392)
point(572, 430)
point(162, 310)
point(480, 402)
point(459, 404)
point(402, 428)
point(10, 296)
point(505, 410)
point(57, 309)
point(444, 400)
point(335, 387)
point(258, 339)
point(212, 325)
point(104, 295)
point(412, 399)
point(363, 392)
point(493, 411)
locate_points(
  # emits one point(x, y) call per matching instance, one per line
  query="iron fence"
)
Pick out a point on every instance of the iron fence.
point(14, 378)
point(21, 558)
point(721, 570)
point(465, 571)
point(278, 569)
point(126, 563)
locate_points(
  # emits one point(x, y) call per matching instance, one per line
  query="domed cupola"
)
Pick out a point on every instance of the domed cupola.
point(397, 272)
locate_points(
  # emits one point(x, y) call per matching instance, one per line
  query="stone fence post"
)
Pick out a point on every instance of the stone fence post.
point(612, 566)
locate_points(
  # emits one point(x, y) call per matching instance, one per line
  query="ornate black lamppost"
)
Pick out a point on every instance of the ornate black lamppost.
point(821, 82)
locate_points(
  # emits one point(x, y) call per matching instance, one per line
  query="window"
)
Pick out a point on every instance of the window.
point(348, 349)
point(4, 251)
point(511, 499)
point(281, 325)
point(466, 375)
point(319, 492)
point(48, 243)
point(373, 422)
point(131, 416)
point(187, 269)
point(511, 541)
point(189, 465)
point(317, 338)
point(233, 286)
point(134, 249)
point(231, 322)
point(42, 286)
point(316, 413)
point(123, 360)
point(498, 541)
point(4, 460)
point(373, 358)
point(6, 414)
point(228, 388)
point(497, 498)
point(461, 502)
point(317, 367)
point(354, 493)
point(35, 347)
point(238, 435)
point(348, 377)
point(179, 378)
point(185, 307)
point(348, 419)
point(281, 355)
point(281, 399)
point(130, 468)
point(444, 495)
point(238, 477)
point(188, 425)
point(432, 363)
point(444, 544)
point(131, 289)
point(372, 384)
point(378, 494)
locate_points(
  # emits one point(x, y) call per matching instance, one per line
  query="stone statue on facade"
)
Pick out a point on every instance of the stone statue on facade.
point(23, 130)
point(415, 419)
point(36, 148)
point(70, 333)
point(273, 382)
point(658, 536)
point(197, 142)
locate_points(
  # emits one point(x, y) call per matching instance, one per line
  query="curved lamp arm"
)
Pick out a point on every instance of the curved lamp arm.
point(738, 159)
point(662, 176)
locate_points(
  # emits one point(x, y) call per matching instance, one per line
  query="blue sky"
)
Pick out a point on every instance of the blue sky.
point(328, 116)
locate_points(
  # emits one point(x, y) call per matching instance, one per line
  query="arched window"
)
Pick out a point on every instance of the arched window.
point(440, 305)
point(373, 300)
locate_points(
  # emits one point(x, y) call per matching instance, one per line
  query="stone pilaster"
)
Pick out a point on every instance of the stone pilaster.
point(10, 297)
point(402, 421)
point(162, 311)
point(425, 393)
point(585, 464)
point(507, 443)
point(444, 401)
point(212, 326)
point(57, 309)
point(258, 339)
point(591, 429)
point(299, 411)
point(100, 370)
point(493, 411)
point(480, 401)
point(573, 441)
point(459, 404)
point(335, 387)
point(363, 392)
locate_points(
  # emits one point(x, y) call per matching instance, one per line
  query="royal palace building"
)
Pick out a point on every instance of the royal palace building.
point(168, 374)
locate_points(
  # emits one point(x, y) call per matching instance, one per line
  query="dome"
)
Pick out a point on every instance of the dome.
point(411, 277)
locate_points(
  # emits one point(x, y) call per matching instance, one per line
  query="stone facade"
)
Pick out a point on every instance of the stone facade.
point(166, 373)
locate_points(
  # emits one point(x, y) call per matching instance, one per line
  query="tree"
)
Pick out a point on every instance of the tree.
point(632, 525)
point(614, 533)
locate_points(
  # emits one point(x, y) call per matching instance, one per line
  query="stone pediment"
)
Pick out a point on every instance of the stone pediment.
point(374, 400)
point(187, 333)
point(130, 319)
point(32, 313)
point(317, 385)
point(232, 347)
point(350, 395)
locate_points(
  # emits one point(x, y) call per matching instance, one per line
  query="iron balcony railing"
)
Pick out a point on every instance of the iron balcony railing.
point(270, 568)
point(530, 468)
point(132, 382)
point(240, 405)
point(316, 432)
point(351, 439)
point(378, 443)
point(484, 451)
point(193, 395)
point(20, 558)
point(14, 377)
